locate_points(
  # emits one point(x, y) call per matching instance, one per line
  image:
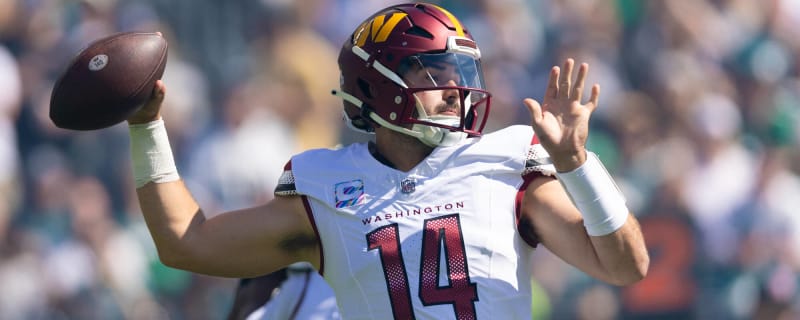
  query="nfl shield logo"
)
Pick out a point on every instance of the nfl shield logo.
point(408, 185)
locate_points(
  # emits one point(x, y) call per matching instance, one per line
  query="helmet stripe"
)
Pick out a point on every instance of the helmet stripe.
point(375, 28)
point(456, 23)
point(387, 28)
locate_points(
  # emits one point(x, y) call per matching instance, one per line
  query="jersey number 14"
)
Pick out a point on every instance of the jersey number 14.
point(441, 232)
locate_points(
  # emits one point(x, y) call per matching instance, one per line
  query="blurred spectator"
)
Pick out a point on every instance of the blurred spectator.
point(238, 164)
point(11, 181)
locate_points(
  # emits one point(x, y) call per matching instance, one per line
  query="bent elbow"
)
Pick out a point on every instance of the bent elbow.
point(643, 267)
point(635, 273)
point(174, 259)
point(631, 277)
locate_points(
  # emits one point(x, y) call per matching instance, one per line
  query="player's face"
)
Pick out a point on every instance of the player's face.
point(447, 89)
point(436, 102)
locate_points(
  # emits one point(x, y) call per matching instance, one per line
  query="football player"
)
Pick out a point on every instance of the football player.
point(296, 292)
point(434, 219)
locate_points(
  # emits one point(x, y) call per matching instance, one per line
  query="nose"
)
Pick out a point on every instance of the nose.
point(449, 94)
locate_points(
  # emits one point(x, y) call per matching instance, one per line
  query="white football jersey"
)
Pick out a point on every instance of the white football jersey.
point(437, 242)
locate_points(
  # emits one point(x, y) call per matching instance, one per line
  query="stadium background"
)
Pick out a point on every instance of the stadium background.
point(698, 121)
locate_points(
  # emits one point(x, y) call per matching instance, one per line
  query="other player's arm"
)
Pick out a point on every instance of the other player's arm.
point(242, 243)
point(583, 217)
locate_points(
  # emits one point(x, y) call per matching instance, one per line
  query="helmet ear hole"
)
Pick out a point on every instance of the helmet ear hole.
point(365, 88)
point(358, 117)
point(362, 124)
point(363, 121)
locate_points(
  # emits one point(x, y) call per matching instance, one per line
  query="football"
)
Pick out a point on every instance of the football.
point(108, 80)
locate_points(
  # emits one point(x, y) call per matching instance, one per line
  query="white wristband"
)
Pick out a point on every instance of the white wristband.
point(151, 154)
point(595, 194)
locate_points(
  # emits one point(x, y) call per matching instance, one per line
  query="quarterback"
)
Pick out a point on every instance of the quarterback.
point(433, 219)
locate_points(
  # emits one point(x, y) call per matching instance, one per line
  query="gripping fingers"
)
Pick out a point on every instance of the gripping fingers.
point(157, 96)
point(151, 109)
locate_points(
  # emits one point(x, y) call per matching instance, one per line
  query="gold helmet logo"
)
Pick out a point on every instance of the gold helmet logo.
point(377, 29)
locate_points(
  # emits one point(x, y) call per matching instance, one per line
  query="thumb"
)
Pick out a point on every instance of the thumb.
point(535, 109)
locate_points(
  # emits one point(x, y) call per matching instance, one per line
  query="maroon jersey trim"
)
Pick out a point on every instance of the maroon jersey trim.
point(529, 237)
point(310, 214)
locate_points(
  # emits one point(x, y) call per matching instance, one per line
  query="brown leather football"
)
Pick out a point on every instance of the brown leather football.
point(108, 81)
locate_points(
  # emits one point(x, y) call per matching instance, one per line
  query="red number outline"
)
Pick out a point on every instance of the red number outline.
point(440, 232)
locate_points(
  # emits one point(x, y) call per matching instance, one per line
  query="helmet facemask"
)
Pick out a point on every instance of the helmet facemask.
point(451, 85)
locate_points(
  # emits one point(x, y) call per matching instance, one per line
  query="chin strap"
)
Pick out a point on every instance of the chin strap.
point(435, 136)
point(429, 135)
point(348, 97)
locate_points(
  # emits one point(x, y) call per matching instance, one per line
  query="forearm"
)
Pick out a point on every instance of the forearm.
point(613, 230)
point(167, 205)
point(622, 254)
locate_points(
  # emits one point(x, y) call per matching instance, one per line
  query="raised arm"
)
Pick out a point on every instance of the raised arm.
point(583, 217)
point(242, 243)
point(618, 258)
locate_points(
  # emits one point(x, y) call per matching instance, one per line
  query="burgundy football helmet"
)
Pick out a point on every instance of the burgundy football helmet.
point(404, 38)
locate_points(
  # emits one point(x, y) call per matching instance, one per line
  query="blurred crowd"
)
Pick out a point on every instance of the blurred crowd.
point(698, 122)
